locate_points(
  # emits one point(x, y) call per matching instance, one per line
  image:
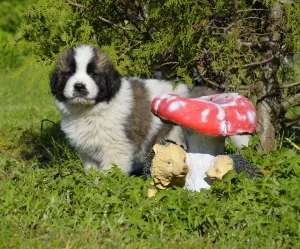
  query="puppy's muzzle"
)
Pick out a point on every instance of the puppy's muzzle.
point(80, 89)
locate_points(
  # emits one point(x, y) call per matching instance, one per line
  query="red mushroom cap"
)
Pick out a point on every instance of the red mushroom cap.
point(219, 115)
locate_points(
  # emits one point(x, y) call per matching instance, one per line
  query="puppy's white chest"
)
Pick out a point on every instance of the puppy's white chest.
point(83, 132)
point(99, 140)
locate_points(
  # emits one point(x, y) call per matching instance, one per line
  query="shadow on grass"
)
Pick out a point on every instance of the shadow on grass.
point(45, 145)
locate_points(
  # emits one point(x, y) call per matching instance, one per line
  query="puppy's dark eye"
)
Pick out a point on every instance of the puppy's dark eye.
point(92, 73)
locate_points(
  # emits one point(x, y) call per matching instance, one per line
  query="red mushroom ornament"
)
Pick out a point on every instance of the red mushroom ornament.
point(207, 120)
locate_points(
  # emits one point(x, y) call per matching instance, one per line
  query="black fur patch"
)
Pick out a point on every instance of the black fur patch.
point(110, 81)
point(65, 68)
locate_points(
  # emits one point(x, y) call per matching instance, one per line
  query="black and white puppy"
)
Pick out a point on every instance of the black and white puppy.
point(107, 118)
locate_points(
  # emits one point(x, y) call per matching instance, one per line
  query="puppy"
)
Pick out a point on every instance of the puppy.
point(107, 118)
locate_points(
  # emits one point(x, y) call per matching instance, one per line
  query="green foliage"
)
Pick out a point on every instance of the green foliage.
point(293, 35)
point(54, 26)
point(200, 42)
point(10, 58)
point(10, 17)
point(12, 53)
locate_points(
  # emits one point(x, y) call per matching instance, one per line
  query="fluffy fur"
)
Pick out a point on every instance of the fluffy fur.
point(106, 117)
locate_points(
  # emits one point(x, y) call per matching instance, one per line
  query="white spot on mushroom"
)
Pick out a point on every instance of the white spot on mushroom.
point(174, 106)
point(228, 126)
point(251, 116)
point(204, 115)
point(221, 114)
point(240, 116)
point(182, 103)
point(157, 104)
point(223, 127)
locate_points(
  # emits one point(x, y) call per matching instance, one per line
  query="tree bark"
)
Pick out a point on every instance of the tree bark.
point(268, 89)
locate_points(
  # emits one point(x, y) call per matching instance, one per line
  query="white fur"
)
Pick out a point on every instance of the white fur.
point(96, 131)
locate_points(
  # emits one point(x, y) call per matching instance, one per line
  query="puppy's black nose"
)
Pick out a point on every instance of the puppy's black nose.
point(79, 87)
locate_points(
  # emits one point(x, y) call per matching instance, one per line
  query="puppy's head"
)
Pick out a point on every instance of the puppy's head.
point(84, 75)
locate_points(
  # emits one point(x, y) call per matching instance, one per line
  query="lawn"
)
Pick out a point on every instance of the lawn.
point(47, 200)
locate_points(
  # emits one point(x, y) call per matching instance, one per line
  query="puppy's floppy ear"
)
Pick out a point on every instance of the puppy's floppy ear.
point(113, 79)
point(64, 63)
point(54, 81)
point(61, 64)
point(66, 60)
point(56, 85)
point(112, 76)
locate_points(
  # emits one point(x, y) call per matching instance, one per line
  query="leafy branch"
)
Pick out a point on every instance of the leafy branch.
point(100, 17)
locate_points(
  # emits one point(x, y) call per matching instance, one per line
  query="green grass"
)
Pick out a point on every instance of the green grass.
point(47, 200)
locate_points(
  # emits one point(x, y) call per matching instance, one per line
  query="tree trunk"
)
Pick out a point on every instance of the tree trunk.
point(268, 113)
point(268, 89)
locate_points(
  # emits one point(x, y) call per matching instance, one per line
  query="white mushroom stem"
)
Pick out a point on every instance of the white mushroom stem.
point(203, 151)
point(198, 142)
point(205, 144)
point(197, 178)
point(240, 141)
